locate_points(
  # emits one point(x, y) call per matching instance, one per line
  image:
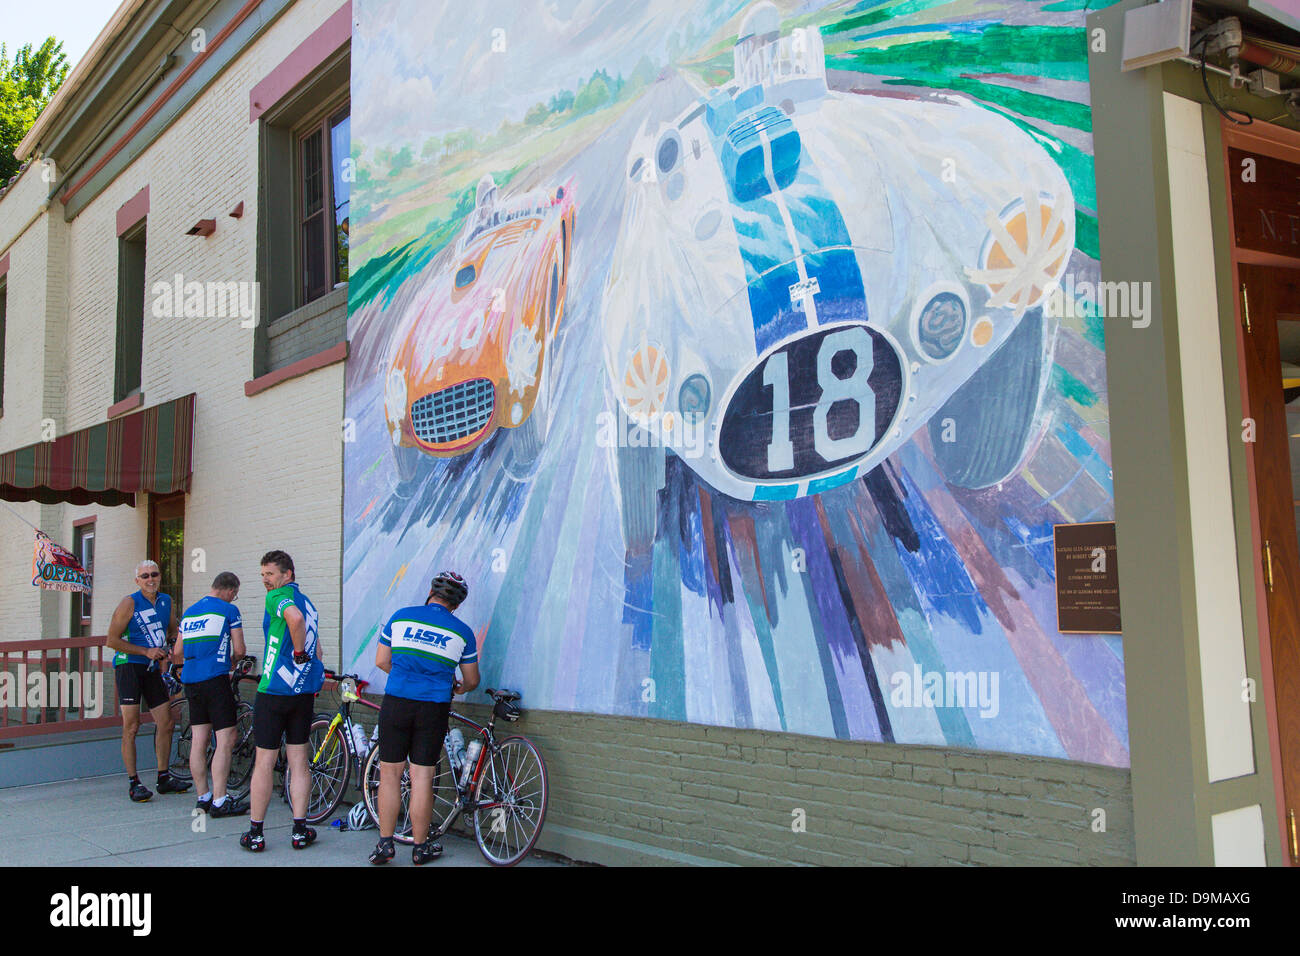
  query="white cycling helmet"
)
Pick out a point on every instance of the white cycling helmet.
point(359, 817)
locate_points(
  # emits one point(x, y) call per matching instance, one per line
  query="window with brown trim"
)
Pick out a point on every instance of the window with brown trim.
point(129, 362)
point(304, 190)
point(323, 194)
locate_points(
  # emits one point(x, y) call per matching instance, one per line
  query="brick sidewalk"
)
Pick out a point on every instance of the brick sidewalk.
point(90, 822)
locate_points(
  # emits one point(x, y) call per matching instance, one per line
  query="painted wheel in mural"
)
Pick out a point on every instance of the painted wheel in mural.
point(407, 462)
point(640, 479)
point(985, 431)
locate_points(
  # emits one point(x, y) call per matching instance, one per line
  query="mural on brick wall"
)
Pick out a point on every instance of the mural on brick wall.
point(731, 351)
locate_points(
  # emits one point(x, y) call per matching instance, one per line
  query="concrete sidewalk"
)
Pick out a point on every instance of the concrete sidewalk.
point(90, 822)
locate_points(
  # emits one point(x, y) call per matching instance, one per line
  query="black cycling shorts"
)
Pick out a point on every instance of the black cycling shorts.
point(412, 729)
point(211, 702)
point(135, 681)
point(276, 715)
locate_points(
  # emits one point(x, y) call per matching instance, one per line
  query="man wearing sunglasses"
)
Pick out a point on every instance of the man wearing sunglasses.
point(141, 625)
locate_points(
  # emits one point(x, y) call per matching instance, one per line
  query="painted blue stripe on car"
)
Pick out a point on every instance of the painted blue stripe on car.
point(776, 492)
point(769, 256)
point(834, 481)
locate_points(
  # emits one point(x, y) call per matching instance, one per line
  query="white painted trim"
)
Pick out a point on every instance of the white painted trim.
point(1229, 746)
point(1239, 837)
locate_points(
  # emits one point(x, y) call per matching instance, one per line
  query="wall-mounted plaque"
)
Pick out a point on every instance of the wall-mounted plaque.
point(1265, 202)
point(1087, 578)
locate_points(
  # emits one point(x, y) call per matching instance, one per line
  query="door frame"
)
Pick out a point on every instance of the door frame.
point(1283, 144)
point(163, 508)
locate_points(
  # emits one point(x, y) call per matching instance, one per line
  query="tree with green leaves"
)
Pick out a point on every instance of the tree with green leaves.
point(27, 84)
point(594, 94)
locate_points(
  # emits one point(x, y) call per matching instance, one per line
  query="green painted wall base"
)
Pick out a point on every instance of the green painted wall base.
point(631, 791)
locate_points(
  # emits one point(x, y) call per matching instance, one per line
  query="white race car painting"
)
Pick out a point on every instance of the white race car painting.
point(805, 277)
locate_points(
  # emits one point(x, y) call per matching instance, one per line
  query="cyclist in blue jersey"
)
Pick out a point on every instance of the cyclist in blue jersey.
point(292, 674)
point(211, 637)
point(140, 627)
point(420, 648)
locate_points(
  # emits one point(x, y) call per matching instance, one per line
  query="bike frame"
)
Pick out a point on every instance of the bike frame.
point(464, 794)
point(343, 718)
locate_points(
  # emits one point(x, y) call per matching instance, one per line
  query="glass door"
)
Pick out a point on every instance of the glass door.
point(167, 546)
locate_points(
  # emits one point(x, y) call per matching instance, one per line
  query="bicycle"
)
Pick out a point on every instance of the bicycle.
point(505, 789)
point(332, 747)
point(243, 752)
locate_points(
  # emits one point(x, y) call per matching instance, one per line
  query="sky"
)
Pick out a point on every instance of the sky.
point(491, 61)
point(75, 22)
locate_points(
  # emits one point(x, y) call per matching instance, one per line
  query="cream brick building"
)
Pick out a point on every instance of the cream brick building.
point(159, 124)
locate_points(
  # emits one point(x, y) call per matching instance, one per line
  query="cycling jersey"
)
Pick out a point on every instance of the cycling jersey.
point(147, 627)
point(428, 642)
point(205, 636)
point(280, 675)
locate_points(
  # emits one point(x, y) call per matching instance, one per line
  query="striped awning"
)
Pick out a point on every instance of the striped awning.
point(106, 464)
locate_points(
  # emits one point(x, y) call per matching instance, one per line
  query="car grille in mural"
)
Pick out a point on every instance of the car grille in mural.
point(453, 413)
point(783, 410)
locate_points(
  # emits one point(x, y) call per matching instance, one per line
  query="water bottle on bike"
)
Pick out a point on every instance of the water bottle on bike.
point(455, 744)
point(471, 758)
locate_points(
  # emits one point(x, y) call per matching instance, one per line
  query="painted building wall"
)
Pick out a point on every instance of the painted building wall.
point(34, 380)
point(684, 502)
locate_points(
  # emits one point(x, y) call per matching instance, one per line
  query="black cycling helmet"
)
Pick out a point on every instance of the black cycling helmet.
point(449, 586)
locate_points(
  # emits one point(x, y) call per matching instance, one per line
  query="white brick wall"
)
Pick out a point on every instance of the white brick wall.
point(267, 469)
point(27, 304)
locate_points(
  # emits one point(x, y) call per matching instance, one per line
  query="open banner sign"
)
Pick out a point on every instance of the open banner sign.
point(55, 569)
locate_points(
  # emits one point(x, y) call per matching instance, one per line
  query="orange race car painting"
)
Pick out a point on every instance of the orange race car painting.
point(474, 354)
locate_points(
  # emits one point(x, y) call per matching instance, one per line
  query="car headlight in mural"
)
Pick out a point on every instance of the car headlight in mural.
point(693, 399)
point(472, 357)
point(806, 277)
point(941, 325)
point(522, 358)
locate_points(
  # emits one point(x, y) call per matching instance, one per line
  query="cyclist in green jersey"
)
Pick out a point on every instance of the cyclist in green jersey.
point(292, 674)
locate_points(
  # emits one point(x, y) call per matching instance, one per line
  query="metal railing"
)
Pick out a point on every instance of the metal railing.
point(56, 686)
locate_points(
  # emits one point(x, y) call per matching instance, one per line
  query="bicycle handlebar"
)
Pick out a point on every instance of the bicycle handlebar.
point(340, 678)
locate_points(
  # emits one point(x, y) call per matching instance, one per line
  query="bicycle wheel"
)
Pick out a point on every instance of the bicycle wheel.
point(180, 762)
point(330, 769)
point(444, 796)
point(402, 831)
point(331, 762)
point(511, 796)
point(244, 753)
